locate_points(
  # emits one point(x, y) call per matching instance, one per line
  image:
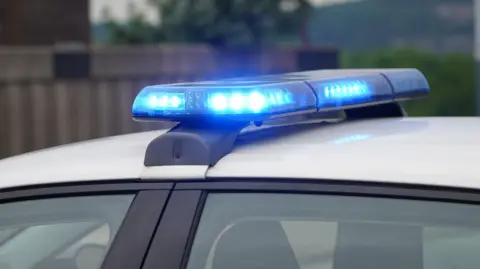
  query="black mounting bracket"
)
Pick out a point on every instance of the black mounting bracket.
point(388, 110)
point(193, 143)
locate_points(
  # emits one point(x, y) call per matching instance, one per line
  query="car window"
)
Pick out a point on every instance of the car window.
point(300, 231)
point(99, 236)
point(67, 233)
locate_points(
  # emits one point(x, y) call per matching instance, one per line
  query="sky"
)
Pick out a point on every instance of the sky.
point(118, 8)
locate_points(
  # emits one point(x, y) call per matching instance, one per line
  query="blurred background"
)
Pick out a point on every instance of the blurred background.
point(69, 70)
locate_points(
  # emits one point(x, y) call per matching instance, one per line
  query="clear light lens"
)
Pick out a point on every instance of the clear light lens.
point(352, 91)
point(407, 83)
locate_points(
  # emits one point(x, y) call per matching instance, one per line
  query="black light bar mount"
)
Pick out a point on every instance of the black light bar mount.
point(193, 143)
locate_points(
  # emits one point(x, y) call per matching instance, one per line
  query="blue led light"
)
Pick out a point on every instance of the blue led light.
point(257, 102)
point(159, 101)
point(254, 101)
point(348, 89)
point(166, 101)
point(219, 102)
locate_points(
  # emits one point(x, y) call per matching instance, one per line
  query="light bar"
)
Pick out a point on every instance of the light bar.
point(264, 97)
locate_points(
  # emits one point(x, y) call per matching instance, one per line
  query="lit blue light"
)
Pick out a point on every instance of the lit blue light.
point(175, 101)
point(238, 101)
point(219, 102)
point(247, 101)
point(160, 102)
point(349, 89)
point(257, 102)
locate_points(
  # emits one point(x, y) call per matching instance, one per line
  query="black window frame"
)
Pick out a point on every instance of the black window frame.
point(172, 242)
point(131, 243)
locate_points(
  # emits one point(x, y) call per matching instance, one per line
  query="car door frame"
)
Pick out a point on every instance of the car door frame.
point(131, 242)
point(172, 242)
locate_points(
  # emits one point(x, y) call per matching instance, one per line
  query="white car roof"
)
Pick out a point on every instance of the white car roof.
point(426, 151)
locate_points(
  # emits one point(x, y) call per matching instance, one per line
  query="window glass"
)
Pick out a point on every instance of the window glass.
point(299, 231)
point(67, 233)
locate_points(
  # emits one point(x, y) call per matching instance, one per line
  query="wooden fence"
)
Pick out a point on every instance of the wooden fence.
point(38, 110)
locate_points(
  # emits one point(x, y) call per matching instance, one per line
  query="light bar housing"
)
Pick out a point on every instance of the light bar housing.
point(264, 97)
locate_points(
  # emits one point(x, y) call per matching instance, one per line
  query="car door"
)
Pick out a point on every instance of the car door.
point(326, 225)
point(79, 226)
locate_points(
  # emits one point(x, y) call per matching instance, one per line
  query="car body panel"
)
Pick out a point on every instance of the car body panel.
point(118, 157)
point(424, 151)
point(427, 151)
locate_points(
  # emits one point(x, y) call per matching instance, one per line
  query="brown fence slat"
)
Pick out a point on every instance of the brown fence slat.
point(40, 103)
point(4, 123)
point(104, 110)
point(94, 107)
point(125, 101)
point(15, 116)
point(114, 105)
point(51, 114)
point(83, 91)
point(62, 104)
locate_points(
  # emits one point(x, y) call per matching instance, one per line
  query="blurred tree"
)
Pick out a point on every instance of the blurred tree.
point(379, 24)
point(136, 30)
point(220, 23)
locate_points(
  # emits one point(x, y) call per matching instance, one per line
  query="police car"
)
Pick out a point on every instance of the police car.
point(309, 170)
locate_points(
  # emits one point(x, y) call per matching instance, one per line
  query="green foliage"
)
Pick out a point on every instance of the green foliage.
point(137, 30)
point(220, 23)
point(451, 78)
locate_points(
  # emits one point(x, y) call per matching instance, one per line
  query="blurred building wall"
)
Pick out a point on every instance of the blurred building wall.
point(44, 22)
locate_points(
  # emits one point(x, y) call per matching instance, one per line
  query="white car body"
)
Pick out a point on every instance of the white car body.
point(423, 151)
